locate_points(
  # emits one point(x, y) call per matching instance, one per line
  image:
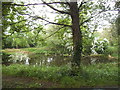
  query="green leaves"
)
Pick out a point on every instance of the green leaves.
point(100, 46)
point(92, 75)
point(12, 20)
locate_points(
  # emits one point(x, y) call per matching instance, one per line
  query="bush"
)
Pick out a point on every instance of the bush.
point(5, 57)
point(100, 47)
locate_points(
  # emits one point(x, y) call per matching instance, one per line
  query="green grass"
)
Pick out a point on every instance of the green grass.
point(113, 50)
point(38, 50)
point(32, 50)
point(102, 74)
point(20, 85)
point(90, 76)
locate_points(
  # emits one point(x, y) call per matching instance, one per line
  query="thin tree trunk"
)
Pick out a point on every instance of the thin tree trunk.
point(77, 35)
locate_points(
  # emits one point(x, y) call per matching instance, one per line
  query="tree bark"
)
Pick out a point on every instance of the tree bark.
point(77, 35)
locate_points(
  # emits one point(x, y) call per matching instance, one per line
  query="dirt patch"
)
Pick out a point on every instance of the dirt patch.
point(16, 51)
point(26, 82)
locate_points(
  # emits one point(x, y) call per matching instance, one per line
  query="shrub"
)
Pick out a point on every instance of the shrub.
point(100, 47)
point(5, 57)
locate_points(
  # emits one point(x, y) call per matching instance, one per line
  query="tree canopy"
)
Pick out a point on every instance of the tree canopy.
point(24, 24)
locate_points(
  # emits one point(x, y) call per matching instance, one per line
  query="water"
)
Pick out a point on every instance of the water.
point(42, 59)
point(51, 60)
point(39, 59)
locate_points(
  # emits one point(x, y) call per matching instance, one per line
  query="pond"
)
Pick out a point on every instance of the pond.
point(51, 59)
point(37, 59)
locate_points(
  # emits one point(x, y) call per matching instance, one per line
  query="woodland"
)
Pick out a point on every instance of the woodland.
point(60, 43)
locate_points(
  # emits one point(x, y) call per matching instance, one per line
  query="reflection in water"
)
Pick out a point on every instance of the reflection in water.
point(42, 59)
point(51, 60)
point(93, 60)
point(27, 61)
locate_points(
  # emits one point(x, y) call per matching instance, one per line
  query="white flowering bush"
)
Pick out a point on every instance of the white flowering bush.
point(100, 47)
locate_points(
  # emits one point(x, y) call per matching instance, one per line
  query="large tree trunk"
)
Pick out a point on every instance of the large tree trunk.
point(77, 35)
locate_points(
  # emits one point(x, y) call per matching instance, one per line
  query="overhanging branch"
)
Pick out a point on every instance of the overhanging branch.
point(54, 32)
point(16, 22)
point(53, 22)
point(81, 4)
point(37, 17)
point(86, 21)
point(62, 12)
point(34, 4)
point(48, 4)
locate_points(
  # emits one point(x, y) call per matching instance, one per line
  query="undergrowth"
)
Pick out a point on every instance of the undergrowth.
point(90, 76)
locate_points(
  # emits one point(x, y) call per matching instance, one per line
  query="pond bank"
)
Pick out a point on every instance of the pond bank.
point(99, 75)
point(32, 57)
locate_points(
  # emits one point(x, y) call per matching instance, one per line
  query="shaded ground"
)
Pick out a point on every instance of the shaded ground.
point(25, 82)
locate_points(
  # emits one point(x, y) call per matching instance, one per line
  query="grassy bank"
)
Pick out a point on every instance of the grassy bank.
point(28, 50)
point(98, 75)
point(42, 50)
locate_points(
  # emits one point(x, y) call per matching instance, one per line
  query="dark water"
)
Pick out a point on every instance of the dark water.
point(37, 59)
point(51, 60)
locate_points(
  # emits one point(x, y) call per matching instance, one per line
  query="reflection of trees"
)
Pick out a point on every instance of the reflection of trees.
point(60, 60)
point(42, 59)
point(39, 59)
point(56, 60)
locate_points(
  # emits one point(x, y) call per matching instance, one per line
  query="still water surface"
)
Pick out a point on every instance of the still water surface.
point(50, 60)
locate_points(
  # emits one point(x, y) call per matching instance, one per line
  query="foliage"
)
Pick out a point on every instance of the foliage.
point(88, 38)
point(113, 51)
point(59, 40)
point(100, 47)
point(5, 57)
point(17, 31)
point(102, 71)
point(10, 15)
point(67, 82)
point(21, 35)
point(93, 75)
point(111, 34)
point(21, 31)
point(117, 7)
point(51, 73)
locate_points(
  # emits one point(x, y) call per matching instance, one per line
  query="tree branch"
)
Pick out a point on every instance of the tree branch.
point(52, 22)
point(95, 16)
point(35, 4)
point(48, 4)
point(54, 32)
point(37, 17)
point(16, 22)
point(85, 21)
point(62, 12)
point(82, 3)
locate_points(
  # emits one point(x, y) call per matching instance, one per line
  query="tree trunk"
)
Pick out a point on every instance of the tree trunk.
point(77, 35)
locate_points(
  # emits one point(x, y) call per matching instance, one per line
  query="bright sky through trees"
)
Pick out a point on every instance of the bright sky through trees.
point(40, 10)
